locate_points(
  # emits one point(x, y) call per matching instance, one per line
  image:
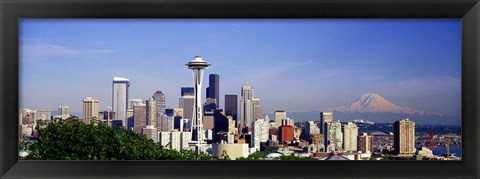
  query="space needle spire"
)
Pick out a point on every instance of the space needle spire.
point(197, 65)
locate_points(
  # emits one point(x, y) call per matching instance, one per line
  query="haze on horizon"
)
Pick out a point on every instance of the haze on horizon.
point(293, 65)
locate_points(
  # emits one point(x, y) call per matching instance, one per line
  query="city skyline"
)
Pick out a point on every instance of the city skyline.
point(427, 52)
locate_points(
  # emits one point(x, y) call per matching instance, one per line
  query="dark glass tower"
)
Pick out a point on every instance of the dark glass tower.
point(213, 89)
point(231, 105)
point(186, 91)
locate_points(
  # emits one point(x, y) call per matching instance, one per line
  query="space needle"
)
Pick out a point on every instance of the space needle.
point(197, 65)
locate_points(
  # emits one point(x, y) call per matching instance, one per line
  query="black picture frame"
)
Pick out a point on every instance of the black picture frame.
point(12, 10)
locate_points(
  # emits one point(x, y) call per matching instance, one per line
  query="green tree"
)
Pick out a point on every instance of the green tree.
point(74, 140)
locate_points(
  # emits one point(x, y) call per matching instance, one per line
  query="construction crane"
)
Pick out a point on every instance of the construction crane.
point(430, 141)
point(447, 145)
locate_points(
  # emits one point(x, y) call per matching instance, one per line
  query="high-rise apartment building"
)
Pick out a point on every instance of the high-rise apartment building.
point(404, 137)
point(365, 143)
point(350, 136)
point(139, 117)
point(325, 117)
point(279, 115)
point(90, 109)
point(159, 98)
point(231, 106)
point(260, 132)
point(213, 89)
point(120, 98)
point(333, 136)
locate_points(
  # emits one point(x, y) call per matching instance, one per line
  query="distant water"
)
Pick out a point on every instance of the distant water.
point(442, 150)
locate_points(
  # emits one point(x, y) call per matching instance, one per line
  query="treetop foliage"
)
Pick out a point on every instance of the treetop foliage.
point(74, 140)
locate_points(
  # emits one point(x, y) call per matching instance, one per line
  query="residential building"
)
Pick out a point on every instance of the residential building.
point(333, 136)
point(404, 137)
point(260, 132)
point(350, 136)
point(365, 143)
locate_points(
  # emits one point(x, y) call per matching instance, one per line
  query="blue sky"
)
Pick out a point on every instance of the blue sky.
point(294, 65)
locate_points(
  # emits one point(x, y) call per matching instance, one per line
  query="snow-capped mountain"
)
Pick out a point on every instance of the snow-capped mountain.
point(374, 103)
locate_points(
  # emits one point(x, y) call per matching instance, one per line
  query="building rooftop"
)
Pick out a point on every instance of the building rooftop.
point(335, 157)
point(120, 79)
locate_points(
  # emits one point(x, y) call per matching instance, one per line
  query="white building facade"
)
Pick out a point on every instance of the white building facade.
point(120, 98)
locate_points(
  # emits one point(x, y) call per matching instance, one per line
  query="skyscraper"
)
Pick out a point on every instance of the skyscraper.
point(134, 102)
point(333, 136)
point(90, 109)
point(404, 137)
point(325, 117)
point(310, 129)
point(64, 111)
point(197, 66)
point(221, 124)
point(279, 115)
point(44, 115)
point(210, 105)
point(130, 119)
point(246, 106)
point(213, 89)
point(120, 98)
point(159, 98)
point(186, 91)
point(151, 112)
point(231, 106)
point(260, 132)
point(365, 143)
point(139, 117)
point(350, 134)
point(257, 109)
point(187, 103)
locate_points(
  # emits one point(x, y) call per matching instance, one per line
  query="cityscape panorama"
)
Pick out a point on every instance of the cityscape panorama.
point(165, 89)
